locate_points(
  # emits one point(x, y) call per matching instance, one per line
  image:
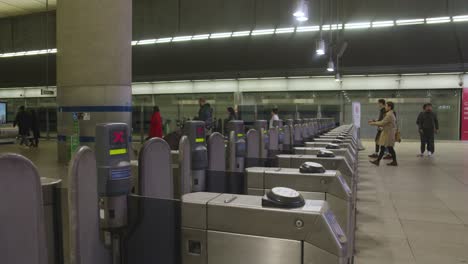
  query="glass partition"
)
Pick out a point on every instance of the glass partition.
point(176, 108)
point(408, 104)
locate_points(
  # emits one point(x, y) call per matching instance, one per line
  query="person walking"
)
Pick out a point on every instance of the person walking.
point(274, 116)
point(387, 137)
point(428, 125)
point(35, 128)
point(156, 124)
point(231, 116)
point(22, 120)
point(381, 105)
point(205, 113)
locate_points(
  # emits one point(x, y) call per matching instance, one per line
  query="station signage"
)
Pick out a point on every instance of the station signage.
point(464, 115)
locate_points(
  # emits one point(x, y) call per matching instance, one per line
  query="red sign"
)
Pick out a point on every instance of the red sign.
point(464, 115)
point(118, 137)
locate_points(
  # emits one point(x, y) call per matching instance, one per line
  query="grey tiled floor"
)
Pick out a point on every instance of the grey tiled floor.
point(417, 212)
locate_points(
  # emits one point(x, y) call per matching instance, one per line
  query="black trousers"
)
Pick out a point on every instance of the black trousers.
point(391, 150)
point(377, 137)
point(427, 140)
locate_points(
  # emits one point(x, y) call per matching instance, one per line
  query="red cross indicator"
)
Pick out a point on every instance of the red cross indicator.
point(118, 137)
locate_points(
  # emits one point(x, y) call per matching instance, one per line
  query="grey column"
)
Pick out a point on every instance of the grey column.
point(93, 66)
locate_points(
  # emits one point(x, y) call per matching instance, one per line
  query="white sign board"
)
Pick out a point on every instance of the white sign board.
point(357, 114)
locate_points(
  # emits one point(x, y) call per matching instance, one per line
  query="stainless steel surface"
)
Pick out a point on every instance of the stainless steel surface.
point(329, 186)
point(336, 163)
point(228, 248)
point(216, 153)
point(155, 171)
point(185, 176)
point(315, 150)
point(235, 214)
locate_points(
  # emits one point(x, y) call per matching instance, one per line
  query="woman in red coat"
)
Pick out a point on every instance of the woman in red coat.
point(156, 126)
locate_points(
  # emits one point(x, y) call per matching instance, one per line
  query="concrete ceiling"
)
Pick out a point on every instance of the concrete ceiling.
point(10, 8)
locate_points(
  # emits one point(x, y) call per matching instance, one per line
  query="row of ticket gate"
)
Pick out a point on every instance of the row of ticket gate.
point(281, 195)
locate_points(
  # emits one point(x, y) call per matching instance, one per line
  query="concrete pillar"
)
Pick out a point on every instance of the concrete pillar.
point(93, 66)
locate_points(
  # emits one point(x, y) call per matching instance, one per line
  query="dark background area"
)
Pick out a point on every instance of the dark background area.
point(399, 49)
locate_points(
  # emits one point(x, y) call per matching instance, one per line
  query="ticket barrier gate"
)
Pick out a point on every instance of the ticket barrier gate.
point(217, 228)
point(154, 227)
point(324, 144)
point(331, 162)
point(335, 149)
point(313, 182)
point(339, 163)
point(298, 134)
point(21, 212)
point(18, 176)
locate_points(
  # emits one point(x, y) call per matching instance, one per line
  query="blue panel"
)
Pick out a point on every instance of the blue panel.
point(111, 108)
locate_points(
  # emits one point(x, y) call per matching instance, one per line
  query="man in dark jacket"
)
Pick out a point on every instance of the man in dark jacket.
point(205, 113)
point(379, 130)
point(428, 126)
point(23, 121)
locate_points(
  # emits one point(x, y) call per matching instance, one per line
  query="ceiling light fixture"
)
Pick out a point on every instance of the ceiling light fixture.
point(308, 29)
point(146, 42)
point(221, 35)
point(378, 24)
point(163, 40)
point(405, 22)
point(331, 66)
point(241, 33)
point(301, 12)
point(320, 47)
point(332, 27)
point(437, 20)
point(263, 32)
point(284, 30)
point(358, 25)
point(460, 18)
point(200, 37)
point(182, 38)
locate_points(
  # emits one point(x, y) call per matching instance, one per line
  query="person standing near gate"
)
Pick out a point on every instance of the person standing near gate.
point(382, 113)
point(428, 126)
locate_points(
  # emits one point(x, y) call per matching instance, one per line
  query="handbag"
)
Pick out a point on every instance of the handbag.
point(398, 136)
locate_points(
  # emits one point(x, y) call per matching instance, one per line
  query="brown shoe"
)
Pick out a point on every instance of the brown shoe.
point(387, 157)
point(374, 156)
point(375, 162)
point(393, 163)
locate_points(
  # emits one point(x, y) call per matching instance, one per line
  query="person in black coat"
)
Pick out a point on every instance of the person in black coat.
point(428, 125)
point(379, 129)
point(23, 121)
point(35, 128)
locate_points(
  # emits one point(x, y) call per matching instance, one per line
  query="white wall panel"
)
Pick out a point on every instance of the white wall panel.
point(370, 83)
point(430, 82)
point(272, 85)
point(439, 81)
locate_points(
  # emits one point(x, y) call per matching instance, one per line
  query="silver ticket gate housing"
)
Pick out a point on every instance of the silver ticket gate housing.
point(233, 229)
point(324, 144)
point(337, 151)
point(328, 185)
point(114, 182)
point(193, 156)
point(22, 229)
